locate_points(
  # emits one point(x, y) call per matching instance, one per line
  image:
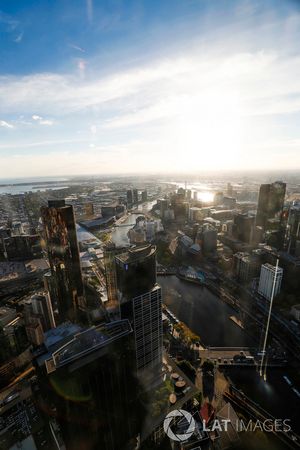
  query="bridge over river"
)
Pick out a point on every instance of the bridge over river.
point(236, 356)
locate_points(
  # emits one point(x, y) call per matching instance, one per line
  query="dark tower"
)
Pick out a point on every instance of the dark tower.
point(90, 379)
point(63, 253)
point(141, 302)
point(270, 202)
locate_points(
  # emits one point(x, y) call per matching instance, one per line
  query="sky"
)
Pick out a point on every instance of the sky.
point(148, 86)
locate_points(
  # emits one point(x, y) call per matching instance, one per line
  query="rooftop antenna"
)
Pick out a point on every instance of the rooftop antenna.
point(264, 375)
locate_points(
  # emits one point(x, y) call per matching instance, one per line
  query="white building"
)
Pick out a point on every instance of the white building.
point(266, 280)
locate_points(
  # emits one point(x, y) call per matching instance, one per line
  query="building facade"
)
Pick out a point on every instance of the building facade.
point(268, 276)
point(270, 202)
point(141, 302)
point(63, 254)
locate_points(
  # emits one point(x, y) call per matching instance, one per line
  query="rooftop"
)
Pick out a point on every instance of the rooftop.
point(56, 203)
point(271, 267)
point(136, 253)
point(88, 341)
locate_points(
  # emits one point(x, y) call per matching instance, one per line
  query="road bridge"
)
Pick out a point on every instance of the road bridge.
point(255, 411)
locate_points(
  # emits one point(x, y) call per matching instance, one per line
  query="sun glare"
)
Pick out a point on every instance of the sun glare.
point(208, 129)
point(205, 197)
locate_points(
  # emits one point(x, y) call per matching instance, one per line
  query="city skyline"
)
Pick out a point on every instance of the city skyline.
point(149, 88)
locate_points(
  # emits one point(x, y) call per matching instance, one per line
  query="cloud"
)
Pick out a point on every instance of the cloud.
point(76, 47)
point(41, 120)
point(266, 82)
point(10, 23)
point(213, 104)
point(12, 26)
point(19, 38)
point(5, 124)
point(41, 144)
point(46, 122)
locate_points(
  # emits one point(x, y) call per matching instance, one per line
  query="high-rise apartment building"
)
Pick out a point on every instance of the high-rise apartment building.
point(268, 275)
point(63, 253)
point(270, 202)
point(141, 302)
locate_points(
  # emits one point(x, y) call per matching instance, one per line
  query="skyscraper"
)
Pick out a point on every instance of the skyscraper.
point(140, 302)
point(63, 253)
point(135, 196)
point(270, 202)
point(90, 379)
point(41, 305)
point(243, 227)
point(144, 196)
point(129, 197)
point(293, 230)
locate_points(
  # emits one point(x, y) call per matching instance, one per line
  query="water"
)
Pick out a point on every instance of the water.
point(84, 235)
point(20, 185)
point(275, 395)
point(208, 317)
point(203, 312)
point(119, 234)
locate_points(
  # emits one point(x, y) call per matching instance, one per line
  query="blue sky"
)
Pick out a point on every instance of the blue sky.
point(128, 86)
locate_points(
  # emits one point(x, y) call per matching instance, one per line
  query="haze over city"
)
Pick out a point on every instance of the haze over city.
point(148, 87)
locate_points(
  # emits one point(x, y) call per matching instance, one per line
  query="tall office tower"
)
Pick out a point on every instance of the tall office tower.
point(270, 202)
point(135, 196)
point(144, 196)
point(266, 280)
point(90, 380)
point(229, 190)
point(243, 227)
point(293, 230)
point(140, 302)
point(129, 197)
point(109, 254)
point(163, 206)
point(41, 305)
point(63, 253)
point(189, 194)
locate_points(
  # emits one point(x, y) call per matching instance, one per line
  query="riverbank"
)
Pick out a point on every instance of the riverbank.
point(208, 317)
point(203, 312)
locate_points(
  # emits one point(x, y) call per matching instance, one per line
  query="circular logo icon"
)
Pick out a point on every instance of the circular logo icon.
point(184, 415)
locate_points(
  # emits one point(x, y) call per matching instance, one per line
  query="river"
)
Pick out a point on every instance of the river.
point(203, 312)
point(208, 316)
point(119, 234)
